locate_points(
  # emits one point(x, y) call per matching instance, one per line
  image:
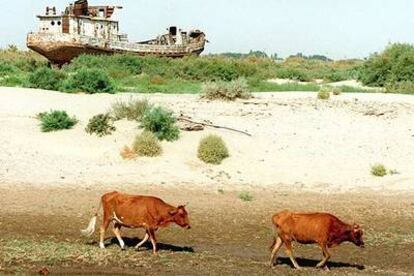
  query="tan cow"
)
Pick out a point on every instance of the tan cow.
point(135, 211)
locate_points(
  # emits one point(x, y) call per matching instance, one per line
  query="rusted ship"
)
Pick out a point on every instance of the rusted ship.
point(84, 29)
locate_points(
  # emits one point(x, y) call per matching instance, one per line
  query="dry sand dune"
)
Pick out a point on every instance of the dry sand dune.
point(298, 142)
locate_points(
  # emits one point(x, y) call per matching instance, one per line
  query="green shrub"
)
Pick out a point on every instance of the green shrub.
point(147, 144)
point(395, 64)
point(56, 120)
point(6, 68)
point(245, 196)
point(116, 66)
point(130, 110)
point(90, 81)
point(237, 89)
point(46, 78)
point(293, 74)
point(212, 150)
point(393, 172)
point(324, 93)
point(331, 89)
point(101, 125)
point(405, 87)
point(378, 170)
point(161, 122)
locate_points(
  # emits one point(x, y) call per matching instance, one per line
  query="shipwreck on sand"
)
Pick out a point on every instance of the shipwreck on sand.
point(84, 29)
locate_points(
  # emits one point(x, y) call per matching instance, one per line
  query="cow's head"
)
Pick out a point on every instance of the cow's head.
point(180, 216)
point(357, 235)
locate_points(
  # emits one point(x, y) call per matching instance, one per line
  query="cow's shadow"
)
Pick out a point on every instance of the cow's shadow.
point(312, 263)
point(132, 242)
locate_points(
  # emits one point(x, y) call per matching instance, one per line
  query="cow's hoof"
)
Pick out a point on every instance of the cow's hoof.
point(123, 249)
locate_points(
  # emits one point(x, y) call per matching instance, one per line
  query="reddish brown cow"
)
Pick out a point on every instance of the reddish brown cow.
point(307, 228)
point(135, 211)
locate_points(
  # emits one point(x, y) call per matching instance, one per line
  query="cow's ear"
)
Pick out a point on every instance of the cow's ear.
point(356, 227)
point(173, 212)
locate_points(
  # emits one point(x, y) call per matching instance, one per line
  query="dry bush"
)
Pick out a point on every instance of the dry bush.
point(324, 93)
point(101, 125)
point(229, 91)
point(130, 110)
point(157, 80)
point(212, 150)
point(378, 170)
point(147, 144)
point(127, 153)
point(331, 89)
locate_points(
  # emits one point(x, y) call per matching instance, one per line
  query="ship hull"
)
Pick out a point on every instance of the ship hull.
point(62, 48)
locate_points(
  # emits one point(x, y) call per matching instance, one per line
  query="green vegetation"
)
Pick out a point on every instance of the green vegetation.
point(245, 196)
point(331, 89)
point(129, 73)
point(147, 144)
point(161, 122)
point(90, 81)
point(324, 94)
point(130, 110)
point(393, 69)
point(101, 125)
point(378, 170)
point(221, 90)
point(212, 150)
point(56, 120)
point(46, 78)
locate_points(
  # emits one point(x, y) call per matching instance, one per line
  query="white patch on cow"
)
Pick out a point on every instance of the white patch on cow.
point(143, 241)
point(121, 243)
point(102, 245)
point(117, 219)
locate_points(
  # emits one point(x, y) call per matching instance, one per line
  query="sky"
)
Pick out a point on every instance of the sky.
point(335, 28)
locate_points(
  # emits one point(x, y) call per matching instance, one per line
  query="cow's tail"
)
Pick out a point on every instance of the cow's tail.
point(88, 231)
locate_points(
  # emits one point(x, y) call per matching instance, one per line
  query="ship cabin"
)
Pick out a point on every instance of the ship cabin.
point(81, 19)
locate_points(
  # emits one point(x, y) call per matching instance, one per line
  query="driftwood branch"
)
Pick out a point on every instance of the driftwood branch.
point(212, 125)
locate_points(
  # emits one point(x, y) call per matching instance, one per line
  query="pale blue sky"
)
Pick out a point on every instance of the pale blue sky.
point(336, 28)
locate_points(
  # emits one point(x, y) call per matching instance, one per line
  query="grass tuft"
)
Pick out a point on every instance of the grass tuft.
point(378, 170)
point(101, 125)
point(56, 120)
point(130, 110)
point(245, 196)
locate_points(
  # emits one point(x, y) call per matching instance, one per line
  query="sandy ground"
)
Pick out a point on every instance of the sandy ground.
point(39, 227)
point(304, 154)
point(297, 143)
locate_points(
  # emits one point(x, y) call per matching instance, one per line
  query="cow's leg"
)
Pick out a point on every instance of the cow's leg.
point(104, 226)
point(144, 240)
point(326, 256)
point(289, 252)
point(277, 245)
point(117, 232)
point(151, 233)
point(105, 223)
